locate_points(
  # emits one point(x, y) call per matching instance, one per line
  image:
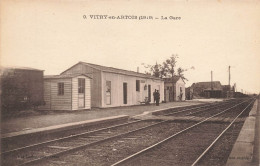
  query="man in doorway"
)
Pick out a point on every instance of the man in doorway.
point(154, 94)
point(157, 97)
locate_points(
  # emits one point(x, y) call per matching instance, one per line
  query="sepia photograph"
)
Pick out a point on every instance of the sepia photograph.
point(130, 82)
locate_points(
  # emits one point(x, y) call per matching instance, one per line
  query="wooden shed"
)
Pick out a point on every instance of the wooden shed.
point(113, 87)
point(174, 89)
point(67, 92)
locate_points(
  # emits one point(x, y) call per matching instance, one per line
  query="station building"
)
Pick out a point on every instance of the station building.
point(112, 87)
point(174, 89)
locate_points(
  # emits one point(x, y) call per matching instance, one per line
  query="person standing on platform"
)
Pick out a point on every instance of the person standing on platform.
point(154, 94)
point(157, 97)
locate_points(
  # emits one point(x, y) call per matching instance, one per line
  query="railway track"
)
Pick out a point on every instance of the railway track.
point(91, 141)
point(158, 154)
point(9, 144)
point(200, 109)
point(44, 150)
point(218, 137)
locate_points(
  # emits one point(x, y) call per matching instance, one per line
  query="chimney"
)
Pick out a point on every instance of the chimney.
point(137, 69)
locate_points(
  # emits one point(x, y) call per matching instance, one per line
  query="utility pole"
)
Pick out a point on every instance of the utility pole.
point(211, 84)
point(229, 75)
point(229, 81)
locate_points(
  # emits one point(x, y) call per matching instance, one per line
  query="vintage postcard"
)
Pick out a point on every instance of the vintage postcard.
point(110, 82)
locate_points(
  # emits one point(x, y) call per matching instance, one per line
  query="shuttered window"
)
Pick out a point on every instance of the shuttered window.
point(60, 88)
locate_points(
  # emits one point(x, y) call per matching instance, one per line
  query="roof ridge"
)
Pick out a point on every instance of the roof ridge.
point(113, 68)
point(20, 67)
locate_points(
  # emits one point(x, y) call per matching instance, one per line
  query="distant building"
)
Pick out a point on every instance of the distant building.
point(207, 89)
point(239, 95)
point(22, 87)
point(174, 89)
point(228, 91)
point(111, 87)
point(189, 93)
point(67, 92)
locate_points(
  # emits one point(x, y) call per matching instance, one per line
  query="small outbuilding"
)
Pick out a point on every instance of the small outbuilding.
point(174, 89)
point(67, 92)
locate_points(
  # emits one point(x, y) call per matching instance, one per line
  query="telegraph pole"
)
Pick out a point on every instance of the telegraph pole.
point(211, 84)
point(229, 81)
point(229, 76)
point(211, 80)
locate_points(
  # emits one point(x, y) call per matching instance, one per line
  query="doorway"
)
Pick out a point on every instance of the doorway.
point(149, 93)
point(81, 92)
point(125, 92)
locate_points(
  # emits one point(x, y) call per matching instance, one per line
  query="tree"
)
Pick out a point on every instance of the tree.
point(156, 70)
point(166, 69)
point(163, 70)
point(180, 73)
point(170, 65)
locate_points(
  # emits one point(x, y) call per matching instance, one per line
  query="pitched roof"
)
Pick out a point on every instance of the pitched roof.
point(172, 79)
point(207, 85)
point(64, 76)
point(115, 70)
point(19, 68)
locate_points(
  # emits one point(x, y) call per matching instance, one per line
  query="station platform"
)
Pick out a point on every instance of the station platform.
point(245, 151)
point(55, 120)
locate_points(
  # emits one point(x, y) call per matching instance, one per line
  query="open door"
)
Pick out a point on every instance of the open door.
point(108, 92)
point(125, 93)
point(81, 92)
point(149, 93)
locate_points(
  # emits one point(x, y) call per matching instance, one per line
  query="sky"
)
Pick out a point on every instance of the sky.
point(53, 35)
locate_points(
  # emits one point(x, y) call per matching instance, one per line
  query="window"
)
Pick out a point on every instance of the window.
point(108, 92)
point(81, 85)
point(108, 86)
point(60, 88)
point(138, 85)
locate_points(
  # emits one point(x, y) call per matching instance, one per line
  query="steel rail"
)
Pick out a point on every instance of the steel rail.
point(81, 146)
point(170, 137)
point(222, 133)
point(89, 144)
point(73, 136)
point(86, 145)
point(217, 106)
point(68, 137)
point(208, 105)
point(175, 112)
